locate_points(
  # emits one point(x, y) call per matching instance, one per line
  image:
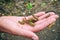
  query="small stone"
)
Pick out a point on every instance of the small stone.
point(2, 14)
point(53, 30)
point(24, 13)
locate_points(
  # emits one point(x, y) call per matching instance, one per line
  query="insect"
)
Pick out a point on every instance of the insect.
point(49, 26)
point(31, 21)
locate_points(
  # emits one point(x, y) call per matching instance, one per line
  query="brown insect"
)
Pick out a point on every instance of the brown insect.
point(31, 21)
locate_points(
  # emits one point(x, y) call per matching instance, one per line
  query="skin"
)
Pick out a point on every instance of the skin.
point(10, 24)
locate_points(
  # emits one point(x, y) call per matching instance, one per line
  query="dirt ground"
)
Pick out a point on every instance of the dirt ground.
point(19, 7)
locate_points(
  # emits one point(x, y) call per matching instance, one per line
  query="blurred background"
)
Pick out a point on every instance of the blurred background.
point(29, 7)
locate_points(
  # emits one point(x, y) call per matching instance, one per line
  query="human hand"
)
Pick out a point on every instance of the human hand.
point(10, 24)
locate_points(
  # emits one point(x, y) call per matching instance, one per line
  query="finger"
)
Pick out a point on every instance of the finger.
point(41, 21)
point(51, 13)
point(47, 15)
point(37, 14)
point(44, 16)
point(21, 32)
point(25, 33)
point(56, 16)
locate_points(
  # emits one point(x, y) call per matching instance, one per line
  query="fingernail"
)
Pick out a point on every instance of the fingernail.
point(34, 38)
point(51, 13)
point(57, 16)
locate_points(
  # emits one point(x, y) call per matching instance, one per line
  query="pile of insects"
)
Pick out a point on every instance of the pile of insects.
point(32, 21)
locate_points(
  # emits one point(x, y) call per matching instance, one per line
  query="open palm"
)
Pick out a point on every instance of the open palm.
point(11, 25)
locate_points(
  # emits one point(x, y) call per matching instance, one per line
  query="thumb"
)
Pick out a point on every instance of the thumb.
point(25, 33)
